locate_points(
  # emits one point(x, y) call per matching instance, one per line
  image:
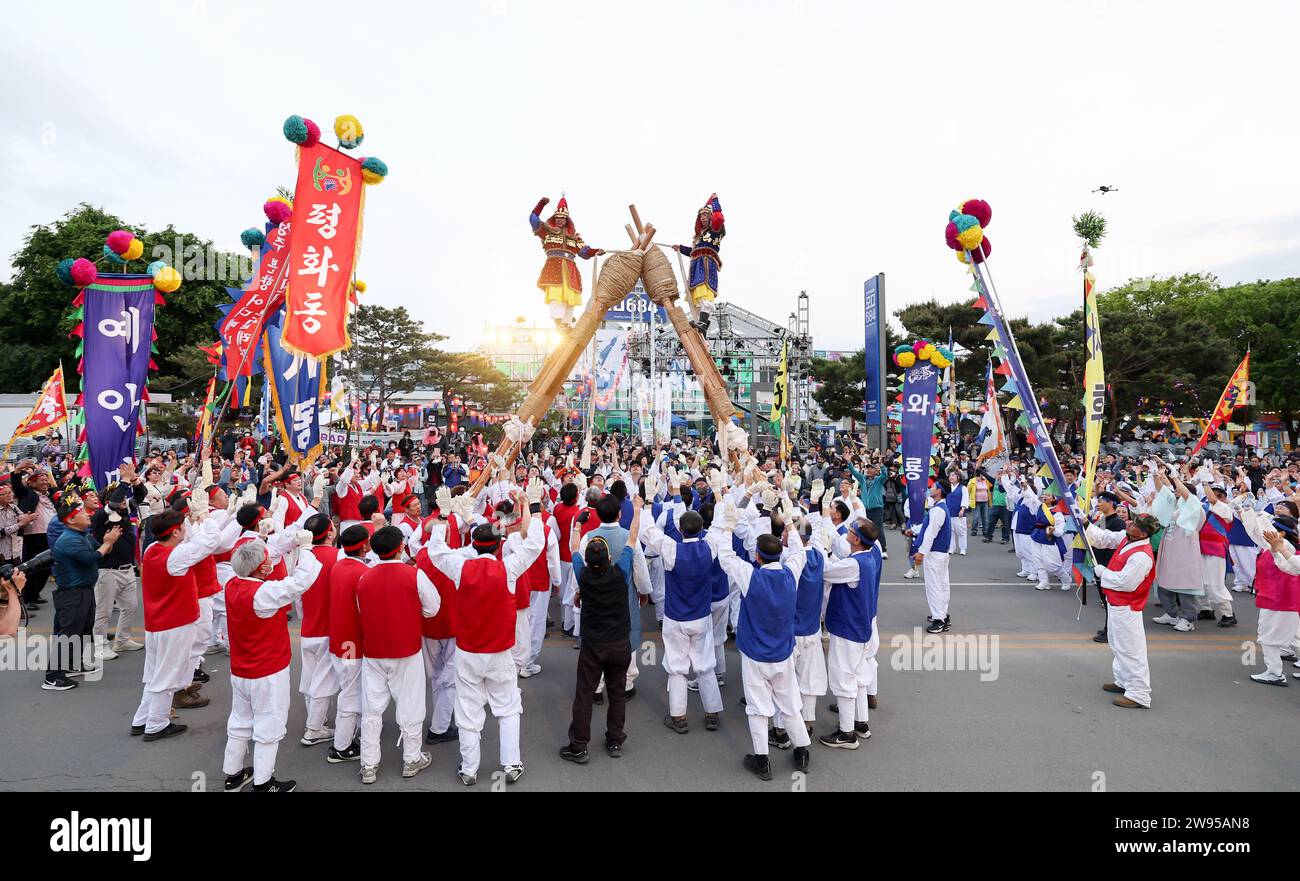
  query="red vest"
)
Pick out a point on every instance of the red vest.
point(564, 516)
point(344, 619)
point(390, 611)
point(297, 504)
point(454, 539)
point(279, 571)
point(485, 610)
point(1212, 543)
point(1135, 600)
point(536, 577)
point(316, 601)
point(259, 647)
point(205, 577)
point(442, 625)
point(169, 600)
point(347, 504)
point(1275, 590)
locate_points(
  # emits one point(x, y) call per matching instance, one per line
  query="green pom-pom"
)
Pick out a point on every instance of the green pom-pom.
point(252, 238)
point(295, 129)
point(64, 271)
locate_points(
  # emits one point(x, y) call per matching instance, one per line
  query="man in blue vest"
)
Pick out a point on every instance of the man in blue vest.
point(1049, 542)
point(765, 638)
point(851, 621)
point(1019, 498)
point(809, 656)
point(932, 557)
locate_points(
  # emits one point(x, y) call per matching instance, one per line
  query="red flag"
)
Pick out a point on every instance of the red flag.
point(1233, 396)
point(242, 327)
point(51, 409)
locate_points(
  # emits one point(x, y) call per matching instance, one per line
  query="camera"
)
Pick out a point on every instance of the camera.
point(40, 561)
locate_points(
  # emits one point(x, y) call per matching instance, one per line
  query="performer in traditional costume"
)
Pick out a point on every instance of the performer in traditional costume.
point(1126, 581)
point(560, 280)
point(705, 262)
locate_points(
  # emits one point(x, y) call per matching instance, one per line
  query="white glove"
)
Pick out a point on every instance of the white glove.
point(651, 487)
point(759, 485)
point(302, 538)
point(374, 458)
point(535, 490)
point(250, 495)
point(318, 488)
point(199, 504)
point(279, 507)
point(518, 432)
point(827, 499)
point(275, 496)
point(788, 485)
point(265, 527)
point(729, 515)
point(795, 480)
point(674, 480)
point(769, 498)
point(443, 500)
point(232, 503)
point(717, 483)
point(818, 490)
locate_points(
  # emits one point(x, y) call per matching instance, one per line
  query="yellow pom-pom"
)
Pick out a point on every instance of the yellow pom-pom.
point(927, 353)
point(361, 287)
point(939, 361)
point(906, 359)
point(370, 177)
point(133, 250)
point(167, 279)
point(347, 128)
point(971, 238)
point(961, 256)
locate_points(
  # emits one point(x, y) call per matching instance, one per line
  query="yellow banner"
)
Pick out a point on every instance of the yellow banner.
point(1094, 391)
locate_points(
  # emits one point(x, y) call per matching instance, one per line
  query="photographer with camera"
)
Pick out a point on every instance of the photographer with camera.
point(32, 489)
point(76, 569)
point(12, 581)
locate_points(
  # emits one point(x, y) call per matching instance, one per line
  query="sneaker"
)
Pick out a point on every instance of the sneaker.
point(759, 765)
point(629, 693)
point(274, 785)
point(962, 553)
point(884, 555)
point(1112, 688)
point(201, 676)
point(692, 685)
point(137, 730)
point(936, 627)
point(351, 754)
point(127, 645)
point(238, 780)
point(570, 753)
point(85, 668)
point(1269, 679)
point(722, 680)
point(615, 750)
point(172, 729)
point(62, 683)
point(1067, 587)
point(467, 779)
point(431, 737)
point(189, 699)
point(1101, 636)
point(369, 773)
point(528, 671)
point(1182, 625)
point(862, 730)
point(104, 653)
point(1228, 621)
point(1289, 656)
point(678, 725)
point(840, 740)
point(313, 736)
point(801, 758)
point(711, 721)
point(1042, 587)
point(778, 738)
point(1205, 615)
point(1165, 619)
point(513, 773)
point(410, 769)
point(911, 573)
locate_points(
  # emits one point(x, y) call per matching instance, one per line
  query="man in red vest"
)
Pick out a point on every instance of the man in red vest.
point(345, 641)
point(171, 614)
point(565, 513)
point(317, 682)
point(533, 588)
point(485, 612)
point(260, 653)
point(392, 598)
point(439, 634)
point(1126, 582)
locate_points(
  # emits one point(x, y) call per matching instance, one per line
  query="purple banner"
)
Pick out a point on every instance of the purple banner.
point(920, 389)
point(117, 337)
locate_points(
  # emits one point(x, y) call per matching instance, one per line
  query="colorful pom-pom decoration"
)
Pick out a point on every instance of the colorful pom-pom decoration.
point(313, 134)
point(985, 249)
point(83, 272)
point(361, 287)
point(971, 237)
point(118, 241)
point(945, 352)
point(111, 255)
point(907, 359)
point(979, 209)
point(252, 238)
point(927, 352)
point(295, 129)
point(373, 170)
point(277, 209)
point(347, 128)
point(950, 236)
point(964, 222)
point(134, 250)
point(64, 271)
point(918, 346)
point(939, 361)
point(898, 350)
point(166, 280)
point(155, 267)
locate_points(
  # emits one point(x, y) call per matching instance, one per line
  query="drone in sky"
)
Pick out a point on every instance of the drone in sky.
point(1105, 190)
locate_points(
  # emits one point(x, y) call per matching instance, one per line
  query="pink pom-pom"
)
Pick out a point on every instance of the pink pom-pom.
point(979, 209)
point(950, 236)
point(277, 211)
point(919, 345)
point(313, 134)
point(83, 272)
point(118, 241)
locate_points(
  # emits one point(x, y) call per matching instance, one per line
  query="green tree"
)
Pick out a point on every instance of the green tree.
point(841, 385)
point(388, 354)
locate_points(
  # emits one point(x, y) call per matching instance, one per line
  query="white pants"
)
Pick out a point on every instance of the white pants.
point(440, 668)
point(220, 631)
point(115, 586)
point(810, 675)
point(849, 676)
point(202, 633)
point(347, 707)
point(259, 709)
point(771, 692)
point(718, 614)
point(167, 669)
point(568, 588)
point(317, 683)
point(401, 679)
point(522, 644)
point(1128, 641)
point(733, 607)
point(1217, 598)
point(1243, 564)
point(1277, 634)
point(960, 532)
point(539, 603)
point(1052, 562)
point(689, 644)
point(1025, 553)
point(934, 568)
point(657, 585)
point(491, 680)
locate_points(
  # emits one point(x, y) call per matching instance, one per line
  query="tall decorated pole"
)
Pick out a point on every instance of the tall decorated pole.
point(1090, 227)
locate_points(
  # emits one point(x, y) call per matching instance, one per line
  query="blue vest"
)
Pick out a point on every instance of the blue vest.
point(1041, 522)
point(765, 631)
point(1024, 519)
point(808, 603)
point(625, 513)
point(687, 586)
point(943, 540)
point(850, 610)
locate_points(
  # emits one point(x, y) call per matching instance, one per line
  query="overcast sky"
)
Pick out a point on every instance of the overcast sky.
point(837, 135)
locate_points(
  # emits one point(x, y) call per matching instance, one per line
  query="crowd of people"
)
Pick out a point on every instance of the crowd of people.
point(428, 574)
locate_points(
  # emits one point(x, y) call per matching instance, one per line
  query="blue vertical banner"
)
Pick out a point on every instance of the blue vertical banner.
point(920, 393)
point(873, 304)
point(297, 385)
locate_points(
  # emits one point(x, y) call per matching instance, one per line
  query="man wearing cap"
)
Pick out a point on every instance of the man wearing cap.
point(346, 646)
point(1126, 582)
point(932, 552)
point(260, 653)
point(1110, 521)
point(76, 569)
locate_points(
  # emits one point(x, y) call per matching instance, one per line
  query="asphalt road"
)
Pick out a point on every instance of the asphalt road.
point(1036, 719)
